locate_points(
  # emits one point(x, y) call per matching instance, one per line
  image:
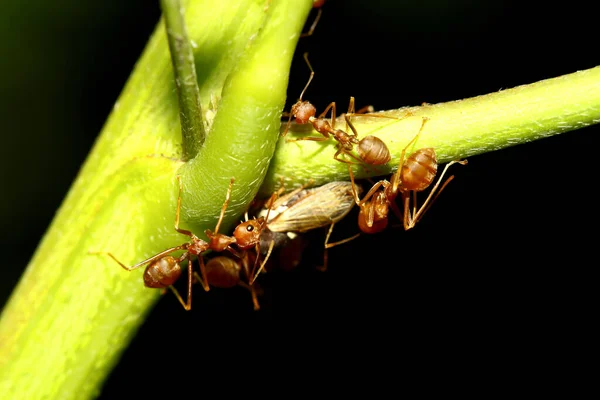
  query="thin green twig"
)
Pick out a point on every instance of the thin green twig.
point(184, 69)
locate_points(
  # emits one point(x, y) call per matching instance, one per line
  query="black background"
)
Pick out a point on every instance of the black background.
point(503, 257)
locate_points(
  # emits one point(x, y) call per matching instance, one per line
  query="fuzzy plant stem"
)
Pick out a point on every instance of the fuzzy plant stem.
point(124, 198)
point(457, 129)
point(73, 311)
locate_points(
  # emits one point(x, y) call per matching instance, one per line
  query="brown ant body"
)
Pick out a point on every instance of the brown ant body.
point(226, 272)
point(371, 149)
point(414, 174)
point(163, 270)
point(299, 211)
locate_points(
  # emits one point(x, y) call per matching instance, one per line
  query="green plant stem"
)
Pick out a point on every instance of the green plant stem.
point(457, 129)
point(247, 121)
point(184, 69)
point(124, 200)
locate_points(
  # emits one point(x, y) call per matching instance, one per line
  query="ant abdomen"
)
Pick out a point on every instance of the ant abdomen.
point(419, 170)
point(162, 273)
point(373, 151)
point(223, 272)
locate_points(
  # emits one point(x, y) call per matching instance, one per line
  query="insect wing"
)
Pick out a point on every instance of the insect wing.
point(282, 203)
point(318, 208)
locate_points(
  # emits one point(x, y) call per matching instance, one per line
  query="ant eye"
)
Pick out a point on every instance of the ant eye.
point(250, 228)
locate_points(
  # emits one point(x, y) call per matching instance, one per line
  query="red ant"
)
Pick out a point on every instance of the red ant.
point(299, 211)
point(371, 149)
point(226, 272)
point(164, 270)
point(413, 175)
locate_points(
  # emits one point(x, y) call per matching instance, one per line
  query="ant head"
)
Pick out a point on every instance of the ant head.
point(247, 234)
point(303, 110)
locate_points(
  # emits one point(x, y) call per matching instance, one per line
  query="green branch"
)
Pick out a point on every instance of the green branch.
point(457, 129)
point(247, 122)
point(190, 109)
point(124, 198)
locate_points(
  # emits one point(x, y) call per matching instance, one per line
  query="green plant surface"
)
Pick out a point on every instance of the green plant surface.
point(124, 198)
point(457, 129)
point(193, 131)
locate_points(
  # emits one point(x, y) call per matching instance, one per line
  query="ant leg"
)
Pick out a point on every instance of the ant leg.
point(331, 107)
point(188, 304)
point(235, 252)
point(396, 177)
point(225, 204)
point(287, 126)
point(330, 245)
point(351, 105)
point(354, 192)
point(325, 252)
point(365, 110)
point(141, 263)
point(198, 279)
point(203, 280)
point(189, 296)
point(341, 150)
point(313, 138)
point(262, 265)
point(350, 112)
point(414, 210)
point(314, 24)
point(273, 198)
point(371, 215)
point(176, 293)
point(406, 202)
point(409, 216)
point(369, 194)
point(252, 290)
point(425, 205)
point(254, 298)
point(312, 73)
point(349, 123)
